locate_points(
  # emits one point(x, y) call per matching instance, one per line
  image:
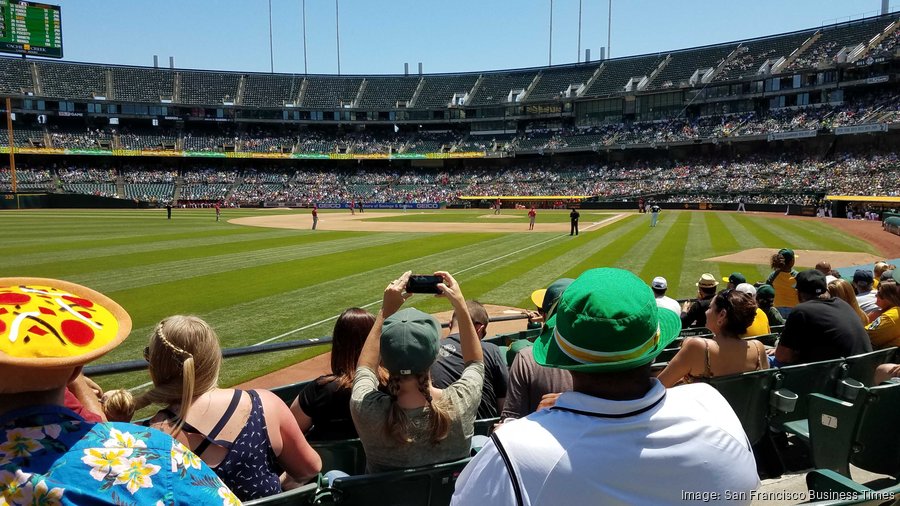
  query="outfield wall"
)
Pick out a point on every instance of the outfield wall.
point(31, 200)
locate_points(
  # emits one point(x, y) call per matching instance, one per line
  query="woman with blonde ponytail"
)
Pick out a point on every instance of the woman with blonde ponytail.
point(247, 437)
point(415, 424)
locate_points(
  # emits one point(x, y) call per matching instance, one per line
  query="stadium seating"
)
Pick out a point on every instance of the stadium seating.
point(15, 77)
point(208, 88)
point(138, 84)
point(827, 483)
point(616, 73)
point(347, 455)
point(683, 64)
point(835, 38)
point(72, 80)
point(438, 91)
point(495, 87)
point(802, 380)
point(298, 497)
point(749, 395)
point(288, 393)
point(862, 367)
point(330, 92)
point(383, 93)
point(860, 431)
point(752, 54)
point(271, 90)
point(424, 486)
point(554, 81)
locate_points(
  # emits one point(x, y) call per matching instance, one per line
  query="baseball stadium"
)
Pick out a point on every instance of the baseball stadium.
point(266, 204)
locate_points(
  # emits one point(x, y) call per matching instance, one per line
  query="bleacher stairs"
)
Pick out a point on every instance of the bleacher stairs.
point(176, 192)
point(176, 88)
point(531, 85)
point(302, 93)
point(120, 186)
point(593, 78)
point(36, 80)
point(887, 32)
point(415, 95)
point(476, 85)
point(786, 62)
point(110, 86)
point(239, 96)
point(359, 92)
point(659, 68)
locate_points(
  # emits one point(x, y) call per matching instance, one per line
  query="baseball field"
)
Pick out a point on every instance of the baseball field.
point(262, 275)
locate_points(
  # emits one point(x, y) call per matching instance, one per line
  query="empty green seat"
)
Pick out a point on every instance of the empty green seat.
point(827, 485)
point(298, 496)
point(485, 426)
point(423, 486)
point(802, 380)
point(749, 396)
point(345, 455)
point(288, 393)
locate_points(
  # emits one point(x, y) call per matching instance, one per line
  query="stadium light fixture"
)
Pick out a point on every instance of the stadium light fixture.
point(550, 57)
point(271, 46)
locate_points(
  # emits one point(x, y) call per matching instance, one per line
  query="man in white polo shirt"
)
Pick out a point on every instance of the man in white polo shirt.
point(620, 437)
point(659, 286)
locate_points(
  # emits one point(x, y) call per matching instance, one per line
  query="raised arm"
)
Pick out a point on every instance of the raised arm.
point(468, 339)
point(394, 297)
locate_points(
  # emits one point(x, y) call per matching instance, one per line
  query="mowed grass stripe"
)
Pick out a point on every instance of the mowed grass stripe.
point(609, 255)
point(520, 274)
point(636, 258)
point(667, 255)
point(542, 273)
point(207, 292)
point(129, 247)
point(227, 255)
point(694, 254)
point(761, 229)
point(155, 273)
point(825, 238)
point(721, 238)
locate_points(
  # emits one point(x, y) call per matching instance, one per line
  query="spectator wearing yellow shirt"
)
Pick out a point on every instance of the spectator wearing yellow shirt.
point(760, 325)
point(783, 279)
point(885, 330)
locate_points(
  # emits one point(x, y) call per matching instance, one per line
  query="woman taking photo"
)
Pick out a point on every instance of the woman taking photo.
point(728, 316)
point(247, 437)
point(415, 424)
point(322, 409)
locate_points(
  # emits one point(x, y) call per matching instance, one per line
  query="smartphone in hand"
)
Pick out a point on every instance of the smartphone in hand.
point(423, 283)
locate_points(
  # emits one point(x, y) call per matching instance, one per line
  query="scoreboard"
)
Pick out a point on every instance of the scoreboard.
point(30, 28)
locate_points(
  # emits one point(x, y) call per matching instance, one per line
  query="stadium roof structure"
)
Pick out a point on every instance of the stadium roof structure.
point(814, 49)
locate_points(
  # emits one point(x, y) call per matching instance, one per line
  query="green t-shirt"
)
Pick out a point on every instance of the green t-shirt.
point(369, 409)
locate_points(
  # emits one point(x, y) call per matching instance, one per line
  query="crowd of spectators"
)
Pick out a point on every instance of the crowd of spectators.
point(761, 178)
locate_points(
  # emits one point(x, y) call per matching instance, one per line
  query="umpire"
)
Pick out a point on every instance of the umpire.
point(573, 218)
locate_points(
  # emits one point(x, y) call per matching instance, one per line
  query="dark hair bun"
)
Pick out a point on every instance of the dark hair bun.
point(741, 313)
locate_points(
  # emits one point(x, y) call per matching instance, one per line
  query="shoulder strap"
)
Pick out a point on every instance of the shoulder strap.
point(707, 372)
point(211, 437)
point(760, 352)
point(509, 468)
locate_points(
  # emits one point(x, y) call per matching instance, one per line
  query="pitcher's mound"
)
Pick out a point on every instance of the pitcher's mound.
point(805, 257)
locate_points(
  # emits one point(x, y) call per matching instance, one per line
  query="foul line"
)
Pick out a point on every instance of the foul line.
point(501, 257)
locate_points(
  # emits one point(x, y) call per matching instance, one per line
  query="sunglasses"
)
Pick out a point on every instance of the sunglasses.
point(722, 301)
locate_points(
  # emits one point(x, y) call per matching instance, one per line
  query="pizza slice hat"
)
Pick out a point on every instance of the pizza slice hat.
point(48, 327)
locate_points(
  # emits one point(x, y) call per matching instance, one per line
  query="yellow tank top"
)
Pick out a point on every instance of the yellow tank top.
point(785, 293)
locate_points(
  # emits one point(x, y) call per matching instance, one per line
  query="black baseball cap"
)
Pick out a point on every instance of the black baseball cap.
point(863, 276)
point(812, 282)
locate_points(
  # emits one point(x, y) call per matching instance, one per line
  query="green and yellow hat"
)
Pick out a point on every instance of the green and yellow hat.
point(606, 320)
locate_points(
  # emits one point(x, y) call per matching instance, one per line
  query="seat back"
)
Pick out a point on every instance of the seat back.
point(423, 486)
point(288, 393)
point(346, 455)
point(877, 445)
point(805, 379)
point(297, 497)
point(485, 426)
point(862, 367)
point(748, 394)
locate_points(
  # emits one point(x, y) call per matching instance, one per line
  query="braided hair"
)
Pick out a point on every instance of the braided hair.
point(398, 425)
point(184, 360)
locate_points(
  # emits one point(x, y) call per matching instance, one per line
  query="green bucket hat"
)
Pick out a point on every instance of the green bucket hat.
point(607, 320)
point(409, 341)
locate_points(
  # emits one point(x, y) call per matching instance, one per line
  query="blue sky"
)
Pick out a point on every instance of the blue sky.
point(377, 37)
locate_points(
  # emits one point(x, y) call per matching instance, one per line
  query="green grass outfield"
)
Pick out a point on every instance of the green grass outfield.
point(488, 216)
point(254, 284)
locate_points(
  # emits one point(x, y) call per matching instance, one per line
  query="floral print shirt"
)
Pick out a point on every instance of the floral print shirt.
point(51, 456)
